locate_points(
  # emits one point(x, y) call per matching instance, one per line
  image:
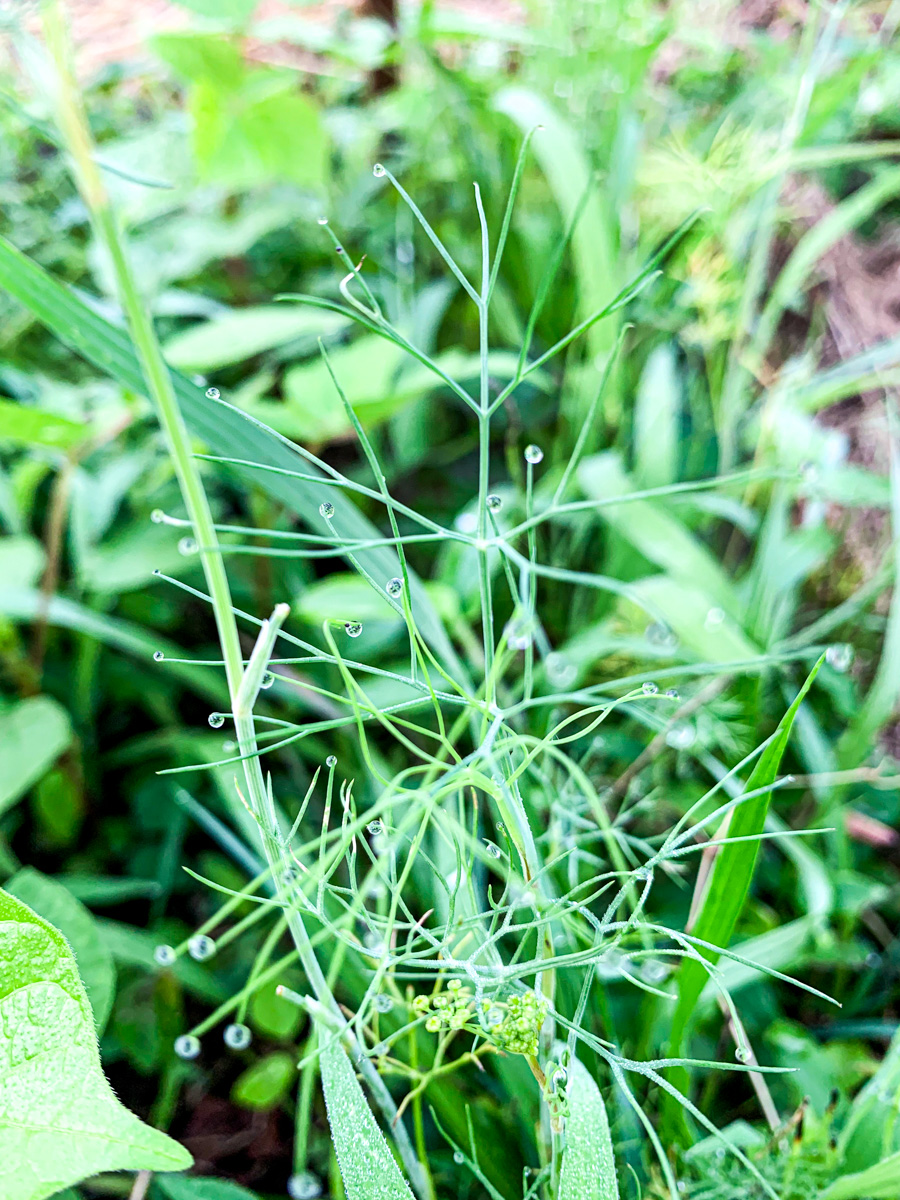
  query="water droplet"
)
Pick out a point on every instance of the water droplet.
point(714, 618)
point(494, 502)
point(229, 746)
point(383, 1002)
point(681, 736)
point(672, 694)
point(158, 656)
point(304, 1186)
point(352, 628)
point(200, 947)
point(658, 633)
point(493, 1017)
point(394, 586)
point(187, 1046)
point(559, 670)
point(164, 956)
point(839, 656)
point(157, 516)
point(378, 171)
point(533, 454)
point(323, 220)
point(373, 944)
point(743, 1054)
point(267, 680)
point(216, 720)
point(493, 851)
point(213, 393)
point(560, 1079)
point(375, 827)
point(458, 1157)
point(326, 510)
point(654, 972)
point(237, 1037)
point(331, 760)
point(649, 689)
point(339, 249)
point(187, 545)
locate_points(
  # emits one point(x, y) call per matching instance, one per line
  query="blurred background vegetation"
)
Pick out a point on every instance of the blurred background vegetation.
point(227, 128)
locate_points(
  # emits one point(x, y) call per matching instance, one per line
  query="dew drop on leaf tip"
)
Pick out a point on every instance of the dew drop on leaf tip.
point(378, 171)
point(187, 1046)
point(187, 546)
point(331, 760)
point(164, 956)
point(201, 947)
point(494, 502)
point(213, 393)
point(158, 656)
point(237, 1036)
point(394, 586)
point(352, 629)
point(304, 1186)
point(267, 680)
point(533, 454)
point(326, 510)
point(649, 689)
point(216, 720)
point(157, 516)
point(375, 827)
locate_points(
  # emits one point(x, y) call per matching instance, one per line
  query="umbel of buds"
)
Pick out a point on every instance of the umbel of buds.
point(512, 1024)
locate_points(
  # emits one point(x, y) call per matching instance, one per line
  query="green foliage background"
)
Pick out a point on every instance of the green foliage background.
point(220, 163)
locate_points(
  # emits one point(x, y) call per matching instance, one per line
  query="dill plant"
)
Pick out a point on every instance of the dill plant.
point(487, 883)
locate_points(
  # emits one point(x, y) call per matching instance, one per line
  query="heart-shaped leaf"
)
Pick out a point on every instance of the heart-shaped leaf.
point(59, 1119)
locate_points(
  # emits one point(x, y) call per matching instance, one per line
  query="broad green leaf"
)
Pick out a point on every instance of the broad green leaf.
point(651, 527)
point(588, 1166)
point(221, 10)
point(343, 597)
point(365, 370)
point(33, 734)
point(881, 1182)
point(871, 1129)
point(224, 430)
point(261, 131)
point(196, 1187)
point(60, 908)
point(238, 335)
point(26, 426)
point(696, 619)
point(201, 57)
point(367, 1165)
point(732, 873)
point(272, 1015)
point(264, 1083)
point(21, 561)
point(59, 1119)
point(127, 560)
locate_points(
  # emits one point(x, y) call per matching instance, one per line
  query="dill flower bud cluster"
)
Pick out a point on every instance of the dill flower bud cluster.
point(512, 1025)
point(452, 1009)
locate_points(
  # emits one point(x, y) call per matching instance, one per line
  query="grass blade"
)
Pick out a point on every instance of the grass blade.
point(731, 876)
